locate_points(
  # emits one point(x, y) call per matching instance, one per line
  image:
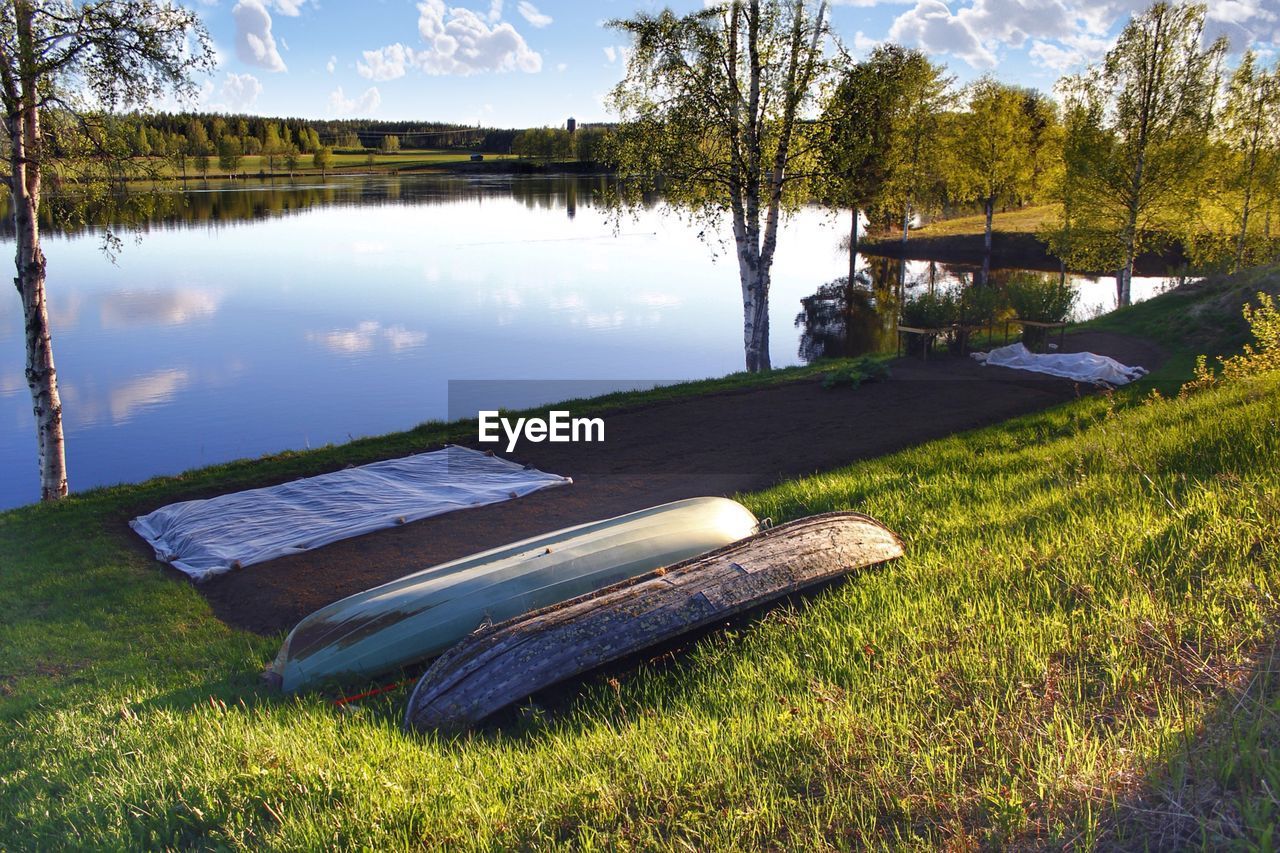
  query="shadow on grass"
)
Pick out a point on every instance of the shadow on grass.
point(1220, 786)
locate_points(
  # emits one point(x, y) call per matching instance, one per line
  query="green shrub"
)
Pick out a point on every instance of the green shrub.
point(862, 369)
point(930, 310)
point(978, 306)
point(1040, 298)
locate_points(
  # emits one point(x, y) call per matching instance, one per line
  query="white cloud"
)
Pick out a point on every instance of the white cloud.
point(1012, 22)
point(239, 92)
point(331, 64)
point(863, 43)
point(617, 53)
point(932, 27)
point(530, 13)
point(562, 67)
point(459, 41)
point(254, 43)
point(341, 105)
point(291, 8)
point(385, 63)
point(1055, 57)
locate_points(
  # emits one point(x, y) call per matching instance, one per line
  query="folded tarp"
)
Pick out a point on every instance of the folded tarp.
point(1082, 366)
point(208, 537)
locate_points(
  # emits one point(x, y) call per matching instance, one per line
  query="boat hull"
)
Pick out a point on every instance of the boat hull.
point(419, 616)
point(500, 665)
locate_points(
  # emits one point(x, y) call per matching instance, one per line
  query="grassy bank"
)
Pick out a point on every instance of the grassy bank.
point(1078, 633)
point(1014, 242)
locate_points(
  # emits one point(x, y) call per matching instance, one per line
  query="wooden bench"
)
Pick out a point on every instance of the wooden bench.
point(1037, 324)
point(929, 335)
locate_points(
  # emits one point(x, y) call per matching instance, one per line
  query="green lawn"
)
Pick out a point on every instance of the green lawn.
point(1024, 220)
point(1075, 648)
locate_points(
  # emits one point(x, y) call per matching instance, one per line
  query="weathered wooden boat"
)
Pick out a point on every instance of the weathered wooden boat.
point(419, 616)
point(502, 664)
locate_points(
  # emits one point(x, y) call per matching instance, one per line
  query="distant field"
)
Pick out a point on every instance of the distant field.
point(342, 162)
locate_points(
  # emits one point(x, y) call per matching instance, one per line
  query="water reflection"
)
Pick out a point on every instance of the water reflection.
point(127, 309)
point(125, 400)
point(366, 336)
point(844, 319)
point(839, 320)
point(219, 204)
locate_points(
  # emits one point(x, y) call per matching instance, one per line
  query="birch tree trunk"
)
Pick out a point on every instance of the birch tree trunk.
point(42, 378)
point(986, 240)
point(853, 246)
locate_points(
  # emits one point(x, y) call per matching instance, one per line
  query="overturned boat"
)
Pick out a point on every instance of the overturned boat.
point(419, 616)
point(502, 664)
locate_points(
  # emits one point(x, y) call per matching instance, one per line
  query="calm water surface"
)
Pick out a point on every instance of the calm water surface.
point(255, 319)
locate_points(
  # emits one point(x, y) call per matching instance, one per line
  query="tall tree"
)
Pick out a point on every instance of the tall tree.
point(710, 106)
point(63, 65)
point(913, 159)
point(857, 120)
point(1251, 130)
point(1144, 117)
point(994, 157)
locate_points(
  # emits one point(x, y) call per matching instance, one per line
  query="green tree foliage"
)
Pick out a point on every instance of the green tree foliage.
point(390, 143)
point(994, 157)
point(914, 164)
point(1250, 136)
point(272, 144)
point(322, 159)
point(230, 153)
point(1138, 126)
point(709, 104)
point(545, 143)
point(591, 144)
point(857, 122)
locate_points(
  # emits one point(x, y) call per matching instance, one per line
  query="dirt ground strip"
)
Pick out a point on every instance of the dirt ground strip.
point(713, 445)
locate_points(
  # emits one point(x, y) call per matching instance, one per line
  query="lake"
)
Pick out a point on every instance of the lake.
point(253, 319)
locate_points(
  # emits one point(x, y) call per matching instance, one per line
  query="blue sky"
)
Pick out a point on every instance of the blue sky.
point(520, 63)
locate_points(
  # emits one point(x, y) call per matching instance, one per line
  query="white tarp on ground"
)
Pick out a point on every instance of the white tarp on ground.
point(1082, 366)
point(208, 537)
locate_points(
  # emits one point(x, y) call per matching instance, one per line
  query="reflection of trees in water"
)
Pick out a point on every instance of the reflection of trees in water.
point(843, 319)
point(222, 204)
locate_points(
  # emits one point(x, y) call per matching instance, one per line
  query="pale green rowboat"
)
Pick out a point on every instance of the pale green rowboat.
point(419, 616)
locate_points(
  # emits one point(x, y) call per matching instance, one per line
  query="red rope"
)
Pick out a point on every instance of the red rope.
point(386, 688)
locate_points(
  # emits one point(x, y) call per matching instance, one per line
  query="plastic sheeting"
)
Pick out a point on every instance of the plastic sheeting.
point(208, 537)
point(1082, 366)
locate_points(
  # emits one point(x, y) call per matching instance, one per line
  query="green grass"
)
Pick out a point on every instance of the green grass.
point(1066, 654)
point(1023, 220)
point(1200, 317)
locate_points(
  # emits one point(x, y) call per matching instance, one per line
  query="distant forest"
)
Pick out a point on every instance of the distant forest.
point(161, 133)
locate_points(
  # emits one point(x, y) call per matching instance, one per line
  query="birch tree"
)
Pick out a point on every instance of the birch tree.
point(1251, 131)
point(994, 154)
point(857, 120)
point(711, 105)
point(64, 66)
point(1149, 106)
point(914, 172)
